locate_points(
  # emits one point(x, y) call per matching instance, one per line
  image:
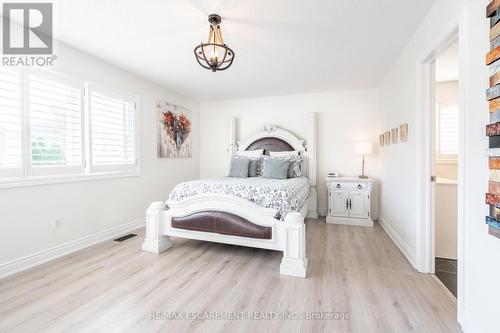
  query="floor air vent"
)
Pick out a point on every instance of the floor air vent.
point(121, 239)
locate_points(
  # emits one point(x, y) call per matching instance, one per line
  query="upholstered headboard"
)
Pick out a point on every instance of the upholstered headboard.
point(270, 144)
point(272, 138)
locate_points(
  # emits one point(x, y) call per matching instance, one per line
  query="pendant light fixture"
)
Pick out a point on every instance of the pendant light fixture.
point(214, 54)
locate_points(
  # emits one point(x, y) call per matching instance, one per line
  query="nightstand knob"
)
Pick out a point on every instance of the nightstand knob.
point(360, 187)
point(338, 185)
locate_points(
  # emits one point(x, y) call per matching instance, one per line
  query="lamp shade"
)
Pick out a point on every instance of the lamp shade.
point(363, 148)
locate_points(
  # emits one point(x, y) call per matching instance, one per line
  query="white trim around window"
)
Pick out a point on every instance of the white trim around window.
point(56, 109)
point(112, 130)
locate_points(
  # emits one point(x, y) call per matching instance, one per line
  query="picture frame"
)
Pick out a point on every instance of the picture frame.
point(381, 140)
point(387, 138)
point(403, 132)
point(174, 126)
point(394, 135)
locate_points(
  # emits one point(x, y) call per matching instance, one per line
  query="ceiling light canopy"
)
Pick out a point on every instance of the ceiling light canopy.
point(214, 54)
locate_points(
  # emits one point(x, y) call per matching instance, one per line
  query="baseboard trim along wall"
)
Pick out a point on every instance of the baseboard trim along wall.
point(322, 211)
point(400, 243)
point(21, 264)
point(465, 326)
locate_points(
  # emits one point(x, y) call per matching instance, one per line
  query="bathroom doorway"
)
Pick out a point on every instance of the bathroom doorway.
point(445, 166)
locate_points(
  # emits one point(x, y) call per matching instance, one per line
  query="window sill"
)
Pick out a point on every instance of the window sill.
point(49, 180)
point(446, 161)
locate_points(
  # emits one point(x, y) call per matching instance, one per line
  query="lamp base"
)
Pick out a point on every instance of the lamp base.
point(363, 177)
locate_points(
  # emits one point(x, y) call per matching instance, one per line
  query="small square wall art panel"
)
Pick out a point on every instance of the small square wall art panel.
point(381, 140)
point(394, 135)
point(403, 132)
point(387, 138)
point(174, 130)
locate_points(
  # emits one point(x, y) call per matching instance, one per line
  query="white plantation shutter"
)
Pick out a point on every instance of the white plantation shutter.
point(10, 123)
point(56, 124)
point(112, 130)
point(52, 131)
point(448, 127)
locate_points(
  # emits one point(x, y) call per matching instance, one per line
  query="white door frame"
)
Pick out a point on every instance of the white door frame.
point(425, 153)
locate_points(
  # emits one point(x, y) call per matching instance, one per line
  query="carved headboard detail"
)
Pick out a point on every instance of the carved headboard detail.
point(272, 138)
point(270, 144)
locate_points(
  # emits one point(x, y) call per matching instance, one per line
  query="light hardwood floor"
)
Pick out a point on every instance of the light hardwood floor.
point(114, 287)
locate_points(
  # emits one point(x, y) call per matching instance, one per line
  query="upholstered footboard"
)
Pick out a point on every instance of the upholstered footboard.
point(229, 220)
point(222, 223)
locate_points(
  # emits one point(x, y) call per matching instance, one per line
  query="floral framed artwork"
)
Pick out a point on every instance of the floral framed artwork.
point(174, 130)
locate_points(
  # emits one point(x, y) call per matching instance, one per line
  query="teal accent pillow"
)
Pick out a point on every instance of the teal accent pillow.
point(239, 168)
point(275, 168)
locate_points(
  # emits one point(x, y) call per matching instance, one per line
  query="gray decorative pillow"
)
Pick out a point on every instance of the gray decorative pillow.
point(239, 167)
point(254, 165)
point(295, 168)
point(276, 168)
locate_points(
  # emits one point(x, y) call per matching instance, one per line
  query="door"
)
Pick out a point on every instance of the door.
point(339, 203)
point(358, 204)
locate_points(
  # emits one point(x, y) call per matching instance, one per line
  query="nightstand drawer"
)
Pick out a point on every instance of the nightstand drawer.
point(347, 186)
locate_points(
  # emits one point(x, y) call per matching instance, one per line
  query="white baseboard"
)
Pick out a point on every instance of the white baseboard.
point(400, 243)
point(322, 211)
point(350, 221)
point(21, 264)
point(465, 326)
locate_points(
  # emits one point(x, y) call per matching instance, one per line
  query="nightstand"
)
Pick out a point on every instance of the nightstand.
point(350, 201)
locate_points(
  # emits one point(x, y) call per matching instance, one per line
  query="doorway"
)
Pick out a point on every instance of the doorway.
point(445, 158)
point(425, 146)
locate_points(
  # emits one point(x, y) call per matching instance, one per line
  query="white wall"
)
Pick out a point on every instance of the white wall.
point(90, 207)
point(447, 92)
point(482, 298)
point(446, 220)
point(399, 89)
point(344, 118)
point(398, 99)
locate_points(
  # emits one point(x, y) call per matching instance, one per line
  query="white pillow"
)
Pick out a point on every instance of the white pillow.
point(283, 153)
point(250, 153)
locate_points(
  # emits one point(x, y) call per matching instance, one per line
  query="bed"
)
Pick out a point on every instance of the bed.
point(254, 212)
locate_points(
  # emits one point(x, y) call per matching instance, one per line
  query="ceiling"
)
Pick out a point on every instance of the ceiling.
point(447, 64)
point(281, 46)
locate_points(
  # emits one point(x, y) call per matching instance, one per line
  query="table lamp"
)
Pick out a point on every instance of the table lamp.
point(363, 148)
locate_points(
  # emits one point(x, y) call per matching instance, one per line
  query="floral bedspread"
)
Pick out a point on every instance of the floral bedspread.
point(283, 195)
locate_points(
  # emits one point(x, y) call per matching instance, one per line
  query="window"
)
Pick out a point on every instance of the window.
point(112, 130)
point(53, 127)
point(56, 124)
point(447, 135)
point(10, 123)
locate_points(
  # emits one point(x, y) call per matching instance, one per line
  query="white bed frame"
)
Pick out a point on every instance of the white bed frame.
point(288, 236)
